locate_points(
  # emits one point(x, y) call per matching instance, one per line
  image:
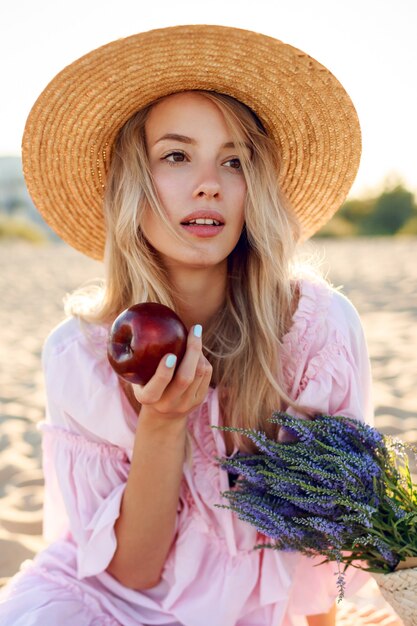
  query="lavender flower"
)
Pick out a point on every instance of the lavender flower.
point(338, 488)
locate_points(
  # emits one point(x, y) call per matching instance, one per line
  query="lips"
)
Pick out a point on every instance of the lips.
point(204, 217)
point(202, 221)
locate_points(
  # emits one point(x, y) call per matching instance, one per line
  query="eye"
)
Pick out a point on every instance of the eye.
point(234, 163)
point(175, 157)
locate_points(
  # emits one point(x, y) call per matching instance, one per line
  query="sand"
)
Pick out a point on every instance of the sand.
point(379, 276)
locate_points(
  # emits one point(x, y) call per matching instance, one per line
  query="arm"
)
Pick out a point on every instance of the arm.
point(146, 525)
point(145, 528)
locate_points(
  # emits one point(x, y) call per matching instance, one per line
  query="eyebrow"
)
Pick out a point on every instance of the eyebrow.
point(175, 137)
point(189, 140)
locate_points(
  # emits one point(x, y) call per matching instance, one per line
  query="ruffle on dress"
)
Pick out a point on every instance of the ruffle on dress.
point(325, 358)
point(91, 507)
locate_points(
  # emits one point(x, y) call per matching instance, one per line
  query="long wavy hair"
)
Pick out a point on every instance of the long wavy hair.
point(244, 339)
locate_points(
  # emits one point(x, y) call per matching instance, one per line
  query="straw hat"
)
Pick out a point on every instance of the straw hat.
point(70, 131)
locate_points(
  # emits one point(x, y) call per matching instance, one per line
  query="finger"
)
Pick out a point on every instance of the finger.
point(367, 610)
point(372, 611)
point(201, 368)
point(197, 391)
point(165, 382)
point(186, 371)
point(347, 615)
point(373, 615)
point(378, 620)
point(391, 620)
point(155, 387)
point(204, 379)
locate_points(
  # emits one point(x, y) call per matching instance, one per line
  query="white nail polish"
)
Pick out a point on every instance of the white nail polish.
point(198, 330)
point(170, 360)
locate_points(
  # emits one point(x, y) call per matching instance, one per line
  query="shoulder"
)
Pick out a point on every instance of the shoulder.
point(325, 320)
point(74, 357)
point(327, 365)
point(72, 335)
point(323, 306)
point(63, 335)
point(82, 391)
point(332, 326)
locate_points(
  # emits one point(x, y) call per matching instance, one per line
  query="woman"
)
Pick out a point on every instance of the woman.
point(217, 150)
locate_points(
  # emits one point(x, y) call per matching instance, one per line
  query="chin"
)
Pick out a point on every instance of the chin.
point(206, 264)
point(196, 260)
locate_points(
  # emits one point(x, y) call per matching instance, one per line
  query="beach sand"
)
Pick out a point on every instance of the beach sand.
point(379, 276)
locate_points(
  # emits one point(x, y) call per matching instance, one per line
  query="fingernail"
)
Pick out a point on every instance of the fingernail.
point(198, 329)
point(170, 360)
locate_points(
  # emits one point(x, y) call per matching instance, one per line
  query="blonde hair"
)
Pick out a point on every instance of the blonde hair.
point(243, 342)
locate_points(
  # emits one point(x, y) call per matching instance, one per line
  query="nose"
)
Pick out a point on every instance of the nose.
point(208, 184)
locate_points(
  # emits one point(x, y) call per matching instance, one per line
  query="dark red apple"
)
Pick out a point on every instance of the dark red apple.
point(140, 336)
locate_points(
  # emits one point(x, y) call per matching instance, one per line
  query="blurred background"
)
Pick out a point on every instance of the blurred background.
point(368, 248)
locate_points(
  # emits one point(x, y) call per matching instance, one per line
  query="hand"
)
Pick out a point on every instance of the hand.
point(350, 615)
point(170, 396)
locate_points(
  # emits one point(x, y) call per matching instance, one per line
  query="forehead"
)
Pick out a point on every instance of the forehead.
point(195, 115)
point(184, 107)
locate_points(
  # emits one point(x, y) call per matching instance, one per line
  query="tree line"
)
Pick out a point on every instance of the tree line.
point(392, 212)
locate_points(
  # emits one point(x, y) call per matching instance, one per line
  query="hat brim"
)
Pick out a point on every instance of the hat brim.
point(70, 130)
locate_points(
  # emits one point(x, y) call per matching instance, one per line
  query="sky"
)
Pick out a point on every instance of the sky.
point(369, 45)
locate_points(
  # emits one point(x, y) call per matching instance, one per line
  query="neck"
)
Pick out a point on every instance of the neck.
point(199, 293)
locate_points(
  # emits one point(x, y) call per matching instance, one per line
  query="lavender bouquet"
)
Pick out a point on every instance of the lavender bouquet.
point(339, 489)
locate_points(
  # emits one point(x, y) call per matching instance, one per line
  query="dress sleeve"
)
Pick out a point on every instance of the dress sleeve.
point(337, 373)
point(85, 472)
point(84, 486)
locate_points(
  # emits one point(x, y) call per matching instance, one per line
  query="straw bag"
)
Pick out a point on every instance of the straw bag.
point(399, 589)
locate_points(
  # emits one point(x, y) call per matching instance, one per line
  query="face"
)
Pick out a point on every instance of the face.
point(199, 180)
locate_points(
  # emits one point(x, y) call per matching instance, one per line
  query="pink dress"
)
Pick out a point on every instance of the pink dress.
point(213, 576)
